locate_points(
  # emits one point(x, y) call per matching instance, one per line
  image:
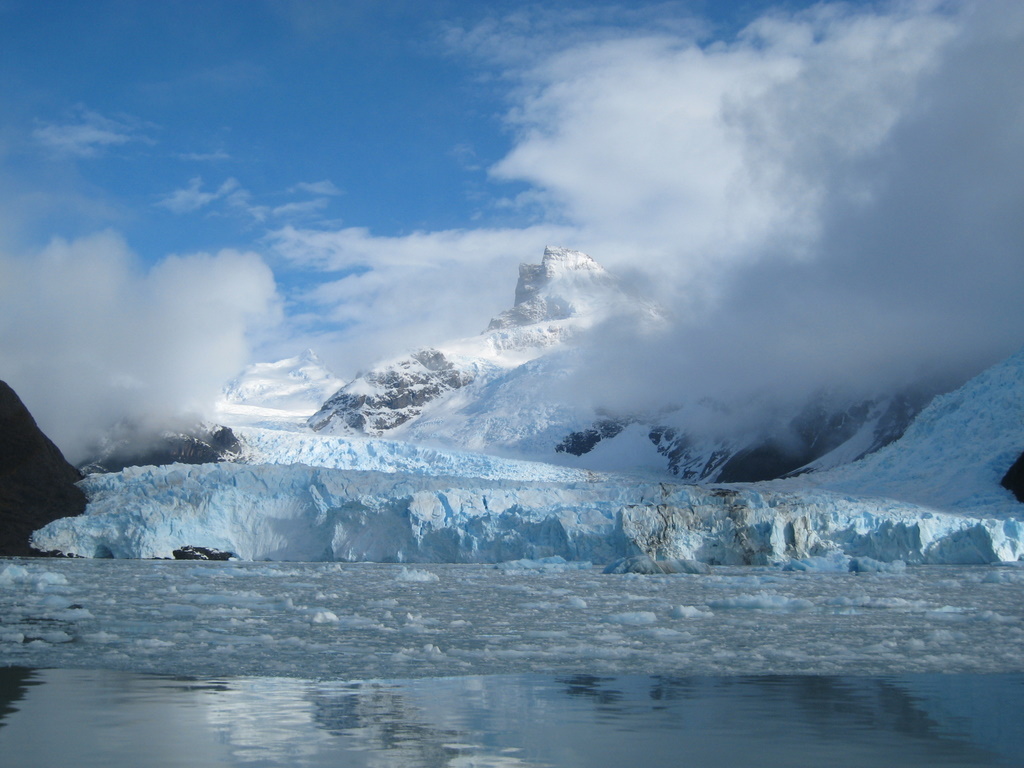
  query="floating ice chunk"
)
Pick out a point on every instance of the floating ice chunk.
point(641, 564)
point(553, 564)
point(577, 602)
point(635, 618)
point(870, 565)
point(323, 617)
point(763, 601)
point(153, 643)
point(358, 622)
point(428, 652)
point(684, 566)
point(689, 612)
point(56, 636)
point(102, 637)
point(13, 574)
point(432, 652)
point(996, 618)
point(827, 563)
point(415, 575)
point(645, 565)
point(1003, 577)
point(71, 614)
point(884, 603)
point(17, 575)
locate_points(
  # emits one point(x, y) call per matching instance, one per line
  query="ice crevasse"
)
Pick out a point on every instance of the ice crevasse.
point(298, 512)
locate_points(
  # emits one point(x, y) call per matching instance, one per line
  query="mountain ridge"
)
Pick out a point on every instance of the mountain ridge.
point(503, 392)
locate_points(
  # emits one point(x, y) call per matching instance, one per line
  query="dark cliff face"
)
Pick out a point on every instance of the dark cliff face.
point(37, 485)
point(1013, 480)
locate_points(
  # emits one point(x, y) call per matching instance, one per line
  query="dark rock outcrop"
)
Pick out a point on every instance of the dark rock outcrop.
point(1013, 480)
point(202, 553)
point(37, 485)
point(584, 441)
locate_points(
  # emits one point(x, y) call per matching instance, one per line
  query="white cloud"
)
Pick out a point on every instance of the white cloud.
point(325, 187)
point(238, 200)
point(877, 237)
point(303, 209)
point(709, 158)
point(205, 157)
point(91, 336)
point(88, 134)
point(393, 293)
point(193, 197)
point(830, 197)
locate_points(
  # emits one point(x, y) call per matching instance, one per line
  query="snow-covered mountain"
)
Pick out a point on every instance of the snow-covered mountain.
point(493, 391)
point(286, 391)
point(505, 392)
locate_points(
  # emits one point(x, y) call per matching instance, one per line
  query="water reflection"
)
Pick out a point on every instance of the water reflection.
point(86, 718)
point(14, 683)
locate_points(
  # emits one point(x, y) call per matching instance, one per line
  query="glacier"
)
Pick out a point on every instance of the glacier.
point(301, 512)
point(932, 497)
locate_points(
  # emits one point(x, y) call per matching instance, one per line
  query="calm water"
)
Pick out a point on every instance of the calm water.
point(80, 718)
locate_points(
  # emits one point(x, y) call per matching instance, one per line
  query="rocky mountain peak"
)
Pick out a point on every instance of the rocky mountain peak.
point(561, 260)
point(563, 285)
point(559, 299)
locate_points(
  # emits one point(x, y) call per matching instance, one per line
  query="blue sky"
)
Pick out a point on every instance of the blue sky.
point(367, 113)
point(186, 187)
point(362, 96)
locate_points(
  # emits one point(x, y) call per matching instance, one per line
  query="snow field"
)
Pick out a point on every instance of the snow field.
point(387, 621)
point(278, 446)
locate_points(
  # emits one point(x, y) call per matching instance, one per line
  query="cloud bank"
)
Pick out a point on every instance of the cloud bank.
point(91, 336)
point(829, 199)
point(886, 244)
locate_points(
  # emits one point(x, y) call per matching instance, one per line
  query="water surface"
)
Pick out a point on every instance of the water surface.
point(108, 718)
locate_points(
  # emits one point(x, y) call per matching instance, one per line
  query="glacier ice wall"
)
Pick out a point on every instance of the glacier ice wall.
point(298, 512)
